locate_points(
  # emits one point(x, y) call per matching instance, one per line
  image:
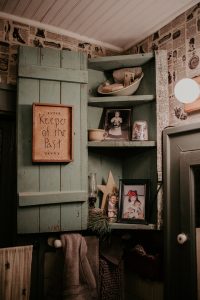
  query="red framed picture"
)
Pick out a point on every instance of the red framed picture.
point(133, 200)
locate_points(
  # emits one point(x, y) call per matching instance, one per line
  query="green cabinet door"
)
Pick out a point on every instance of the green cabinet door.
point(53, 196)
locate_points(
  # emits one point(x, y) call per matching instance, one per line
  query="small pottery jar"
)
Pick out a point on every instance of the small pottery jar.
point(96, 135)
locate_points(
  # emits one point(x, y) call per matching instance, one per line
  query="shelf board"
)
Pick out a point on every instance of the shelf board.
point(122, 144)
point(119, 100)
point(8, 87)
point(117, 62)
point(133, 226)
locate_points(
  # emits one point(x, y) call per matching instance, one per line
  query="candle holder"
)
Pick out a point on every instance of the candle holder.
point(92, 190)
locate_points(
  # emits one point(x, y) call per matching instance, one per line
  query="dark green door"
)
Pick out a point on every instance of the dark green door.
point(182, 211)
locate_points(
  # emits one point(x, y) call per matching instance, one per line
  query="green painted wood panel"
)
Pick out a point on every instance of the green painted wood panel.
point(29, 55)
point(120, 101)
point(71, 217)
point(49, 57)
point(40, 198)
point(49, 193)
point(50, 93)
point(122, 144)
point(76, 95)
point(126, 159)
point(73, 60)
point(95, 79)
point(117, 62)
point(84, 149)
point(95, 117)
point(28, 220)
point(52, 73)
point(27, 174)
point(49, 218)
point(70, 94)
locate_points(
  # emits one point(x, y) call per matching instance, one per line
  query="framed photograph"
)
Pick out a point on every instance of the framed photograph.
point(52, 133)
point(133, 200)
point(112, 206)
point(117, 124)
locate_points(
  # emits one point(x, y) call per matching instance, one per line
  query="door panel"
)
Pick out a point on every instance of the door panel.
point(179, 145)
point(44, 190)
point(189, 162)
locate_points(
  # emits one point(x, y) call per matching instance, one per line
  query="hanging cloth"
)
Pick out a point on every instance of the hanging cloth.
point(78, 279)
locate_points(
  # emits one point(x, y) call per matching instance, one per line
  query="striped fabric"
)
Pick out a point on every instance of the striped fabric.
point(111, 280)
point(15, 272)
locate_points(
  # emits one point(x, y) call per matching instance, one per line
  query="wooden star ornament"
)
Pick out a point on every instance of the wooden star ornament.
point(110, 187)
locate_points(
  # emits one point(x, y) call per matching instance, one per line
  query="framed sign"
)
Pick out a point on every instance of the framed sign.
point(117, 124)
point(52, 133)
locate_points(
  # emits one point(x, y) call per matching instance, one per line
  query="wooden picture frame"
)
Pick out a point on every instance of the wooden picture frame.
point(52, 133)
point(133, 200)
point(117, 124)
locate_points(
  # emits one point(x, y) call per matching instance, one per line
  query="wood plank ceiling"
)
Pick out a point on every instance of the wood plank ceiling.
point(117, 23)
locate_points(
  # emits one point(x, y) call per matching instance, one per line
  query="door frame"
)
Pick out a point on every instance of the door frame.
point(176, 141)
point(188, 160)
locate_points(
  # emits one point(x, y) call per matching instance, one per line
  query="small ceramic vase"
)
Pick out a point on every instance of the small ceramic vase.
point(140, 131)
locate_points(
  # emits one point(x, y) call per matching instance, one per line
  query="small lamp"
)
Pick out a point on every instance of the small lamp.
point(187, 90)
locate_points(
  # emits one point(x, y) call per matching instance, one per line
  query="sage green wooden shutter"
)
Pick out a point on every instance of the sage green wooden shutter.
point(52, 197)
